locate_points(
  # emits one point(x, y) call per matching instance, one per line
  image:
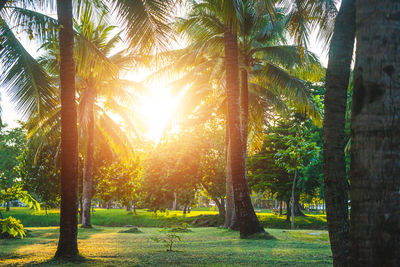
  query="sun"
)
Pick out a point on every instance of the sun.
point(156, 109)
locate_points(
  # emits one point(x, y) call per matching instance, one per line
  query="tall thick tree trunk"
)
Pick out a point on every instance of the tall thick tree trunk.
point(87, 187)
point(375, 142)
point(67, 244)
point(247, 219)
point(335, 179)
point(8, 204)
point(230, 215)
point(244, 107)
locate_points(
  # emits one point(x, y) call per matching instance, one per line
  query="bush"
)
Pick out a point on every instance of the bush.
point(11, 228)
point(170, 235)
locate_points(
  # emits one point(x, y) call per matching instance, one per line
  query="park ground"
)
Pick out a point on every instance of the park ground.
point(107, 245)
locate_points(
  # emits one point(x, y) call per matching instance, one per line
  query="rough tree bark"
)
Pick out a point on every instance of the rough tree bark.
point(230, 216)
point(244, 106)
point(335, 179)
point(87, 187)
point(247, 219)
point(375, 132)
point(67, 244)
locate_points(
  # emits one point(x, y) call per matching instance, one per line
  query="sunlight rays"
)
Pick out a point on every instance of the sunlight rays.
point(156, 109)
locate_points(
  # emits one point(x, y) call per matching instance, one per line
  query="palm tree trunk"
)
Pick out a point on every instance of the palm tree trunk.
point(230, 215)
point(335, 179)
point(247, 219)
point(375, 128)
point(244, 107)
point(88, 171)
point(67, 244)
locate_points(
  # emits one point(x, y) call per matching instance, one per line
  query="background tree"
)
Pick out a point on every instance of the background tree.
point(40, 174)
point(297, 154)
point(12, 143)
point(120, 182)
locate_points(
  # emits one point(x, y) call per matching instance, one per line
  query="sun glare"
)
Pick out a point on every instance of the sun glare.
point(156, 110)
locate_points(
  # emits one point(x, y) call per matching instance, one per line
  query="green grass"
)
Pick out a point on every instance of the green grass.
point(105, 246)
point(144, 218)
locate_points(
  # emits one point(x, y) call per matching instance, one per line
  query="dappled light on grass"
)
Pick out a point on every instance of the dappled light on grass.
point(105, 246)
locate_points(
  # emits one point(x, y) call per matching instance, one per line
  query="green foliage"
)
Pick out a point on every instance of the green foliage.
point(169, 235)
point(298, 153)
point(39, 173)
point(14, 193)
point(12, 143)
point(190, 160)
point(11, 227)
point(119, 181)
point(289, 145)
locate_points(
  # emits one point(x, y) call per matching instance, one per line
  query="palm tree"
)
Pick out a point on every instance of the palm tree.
point(247, 219)
point(68, 243)
point(335, 178)
point(97, 76)
point(261, 54)
point(31, 86)
point(95, 80)
point(375, 131)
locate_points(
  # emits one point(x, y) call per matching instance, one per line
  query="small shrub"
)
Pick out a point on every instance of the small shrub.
point(169, 235)
point(11, 228)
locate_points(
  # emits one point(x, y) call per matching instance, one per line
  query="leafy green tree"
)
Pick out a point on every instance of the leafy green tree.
point(175, 164)
point(12, 143)
point(120, 182)
point(40, 174)
point(266, 175)
point(294, 158)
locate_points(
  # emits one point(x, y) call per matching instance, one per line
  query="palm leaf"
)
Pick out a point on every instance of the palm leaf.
point(28, 84)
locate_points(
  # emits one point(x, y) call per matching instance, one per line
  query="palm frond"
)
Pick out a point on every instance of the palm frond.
point(28, 84)
point(145, 22)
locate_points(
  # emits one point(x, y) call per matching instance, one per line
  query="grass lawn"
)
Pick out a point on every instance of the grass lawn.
point(144, 218)
point(105, 246)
